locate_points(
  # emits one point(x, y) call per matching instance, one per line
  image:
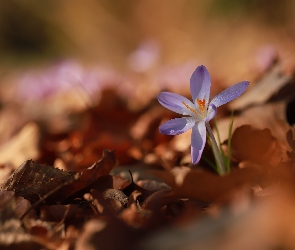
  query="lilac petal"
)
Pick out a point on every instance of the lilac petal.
point(229, 94)
point(200, 84)
point(174, 102)
point(198, 141)
point(211, 113)
point(177, 126)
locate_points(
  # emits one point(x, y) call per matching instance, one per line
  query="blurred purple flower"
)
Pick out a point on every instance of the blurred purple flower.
point(144, 57)
point(199, 112)
point(266, 57)
point(63, 77)
point(173, 77)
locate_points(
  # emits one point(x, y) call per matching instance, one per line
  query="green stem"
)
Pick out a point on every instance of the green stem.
point(216, 152)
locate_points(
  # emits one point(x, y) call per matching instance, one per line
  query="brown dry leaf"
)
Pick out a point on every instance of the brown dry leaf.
point(258, 146)
point(263, 225)
point(264, 105)
point(270, 116)
point(108, 202)
point(107, 233)
point(119, 182)
point(205, 186)
point(13, 206)
point(34, 181)
point(136, 218)
point(106, 125)
point(159, 199)
point(100, 168)
point(269, 85)
point(105, 182)
point(58, 213)
point(141, 193)
point(152, 185)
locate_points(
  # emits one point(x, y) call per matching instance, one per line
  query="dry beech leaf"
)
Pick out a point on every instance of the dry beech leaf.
point(12, 205)
point(263, 225)
point(264, 89)
point(108, 233)
point(119, 182)
point(109, 202)
point(270, 116)
point(33, 180)
point(153, 185)
point(158, 199)
point(136, 218)
point(58, 213)
point(105, 182)
point(100, 168)
point(143, 193)
point(258, 146)
point(205, 186)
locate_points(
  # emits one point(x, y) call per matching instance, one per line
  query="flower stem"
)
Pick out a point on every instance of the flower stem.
point(216, 151)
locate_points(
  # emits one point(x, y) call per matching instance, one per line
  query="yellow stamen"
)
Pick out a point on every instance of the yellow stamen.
point(201, 104)
point(191, 109)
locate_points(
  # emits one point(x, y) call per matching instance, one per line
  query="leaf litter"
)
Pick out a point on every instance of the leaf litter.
point(109, 180)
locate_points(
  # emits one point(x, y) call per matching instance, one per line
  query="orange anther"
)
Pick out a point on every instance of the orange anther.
point(201, 104)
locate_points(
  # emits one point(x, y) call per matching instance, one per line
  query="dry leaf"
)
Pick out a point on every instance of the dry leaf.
point(205, 186)
point(13, 206)
point(258, 146)
point(268, 116)
point(34, 181)
point(269, 85)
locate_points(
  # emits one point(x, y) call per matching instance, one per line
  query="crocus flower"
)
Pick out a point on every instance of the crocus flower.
point(199, 112)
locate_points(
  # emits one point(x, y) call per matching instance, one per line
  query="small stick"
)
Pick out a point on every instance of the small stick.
point(131, 176)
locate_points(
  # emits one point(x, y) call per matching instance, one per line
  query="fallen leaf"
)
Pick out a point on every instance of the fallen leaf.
point(268, 116)
point(108, 233)
point(269, 85)
point(34, 181)
point(255, 145)
point(205, 186)
point(13, 206)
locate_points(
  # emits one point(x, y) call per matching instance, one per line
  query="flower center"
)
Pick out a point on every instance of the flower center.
point(191, 109)
point(201, 105)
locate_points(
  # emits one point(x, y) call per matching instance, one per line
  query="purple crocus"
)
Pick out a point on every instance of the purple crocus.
point(199, 112)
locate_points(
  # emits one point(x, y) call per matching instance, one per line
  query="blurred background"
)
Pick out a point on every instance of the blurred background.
point(226, 35)
point(57, 57)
